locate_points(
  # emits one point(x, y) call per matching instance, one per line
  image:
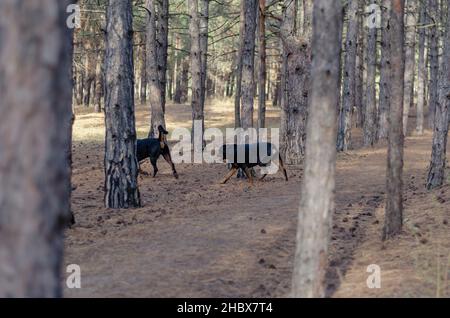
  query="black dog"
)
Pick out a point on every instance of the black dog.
point(251, 157)
point(153, 148)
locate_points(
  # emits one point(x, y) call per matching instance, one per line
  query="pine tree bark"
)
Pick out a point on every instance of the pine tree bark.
point(295, 85)
point(238, 93)
point(143, 72)
point(35, 123)
point(162, 45)
point(394, 183)
point(422, 71)
point(436, 171)
point(359, 90)
point(121, 166)
point(410, 61)
point(248, 63)
point(433, 41)
point(204, 23)
point(99, 79)
point(348, 99)
point(196, 76)
point(153, 75)
point(370, 117)
point(385, 72)
point(317, 198)
point(262, 76)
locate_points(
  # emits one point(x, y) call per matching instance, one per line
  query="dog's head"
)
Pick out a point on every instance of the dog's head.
point(162, 131)
point(162, 136)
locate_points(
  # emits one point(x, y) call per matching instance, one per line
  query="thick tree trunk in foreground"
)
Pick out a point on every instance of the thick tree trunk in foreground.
point(370, 117)
point(394, 183)
point(422, 72)
point(196, 61)
point(262, 76)
point(433, 41)
point(35, 123)
point(385, 72)
point(153, 76)
point(436, 172)
point(317, 198)
point(410, 61)
point(348, 101)
point(248, 63)
point(121, 166)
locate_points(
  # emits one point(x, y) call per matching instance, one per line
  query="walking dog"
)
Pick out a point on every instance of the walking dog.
point(153, 148)
point(247, 156)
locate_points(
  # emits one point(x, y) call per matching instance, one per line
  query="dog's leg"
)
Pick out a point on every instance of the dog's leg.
point(229, 175)
point(155, 168)
point(168, 158)
point(283, 168)
point(249, 174)
point(262, 178)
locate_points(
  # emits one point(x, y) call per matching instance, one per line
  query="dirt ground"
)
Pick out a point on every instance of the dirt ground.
point(196, 238)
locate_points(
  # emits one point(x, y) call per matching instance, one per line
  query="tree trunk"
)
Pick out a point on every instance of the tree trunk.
point(178, 72)
point(348, 101)
point(394, 192)
point(204, 20)
point(422, 71)
point(295, 87)
point(121, 166)
point(434, 60)
point(238, 93)
point(248, 63)
point(35, 122)
point(262, 65)
point(317, 198)
point(370, 118)
point(143, 72)
point(436, 172)
point(80, 87)
point(99, 79)
point(385, 72)
point(410, 61)
point(359, 90)
point(153, 76)
point(196, 62)
point(162, 44)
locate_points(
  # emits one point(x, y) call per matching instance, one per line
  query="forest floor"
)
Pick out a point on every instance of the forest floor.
point(196, 238)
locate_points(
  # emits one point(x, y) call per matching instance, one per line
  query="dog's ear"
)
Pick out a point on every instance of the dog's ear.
point(162, 130)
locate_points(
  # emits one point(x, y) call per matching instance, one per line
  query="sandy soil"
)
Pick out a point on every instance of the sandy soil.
point(196, 238)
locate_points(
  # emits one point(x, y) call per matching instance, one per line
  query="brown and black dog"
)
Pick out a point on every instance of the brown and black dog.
point(153, 148)
point(247, 156)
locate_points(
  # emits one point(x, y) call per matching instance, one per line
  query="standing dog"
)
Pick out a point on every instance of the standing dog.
point(153, 148)
point(248, 156)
